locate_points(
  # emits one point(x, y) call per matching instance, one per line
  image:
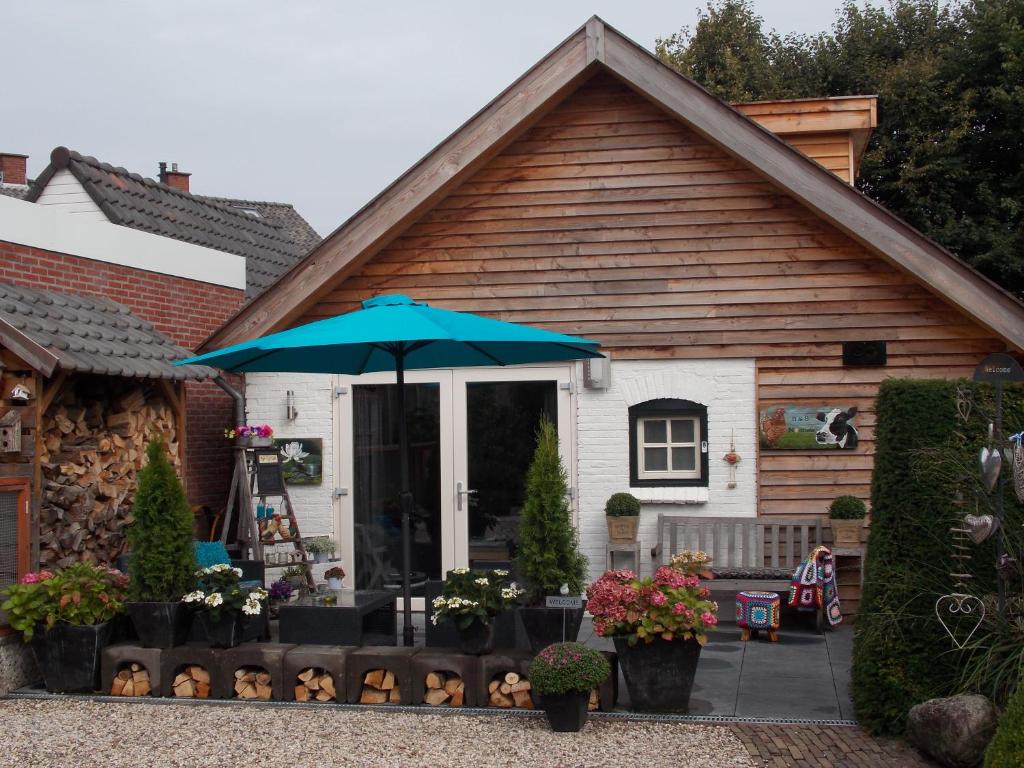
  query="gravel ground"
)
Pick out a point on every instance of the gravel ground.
point(82, 734)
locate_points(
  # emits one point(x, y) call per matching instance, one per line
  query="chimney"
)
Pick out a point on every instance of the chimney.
point(174, 177)
point(13, 168)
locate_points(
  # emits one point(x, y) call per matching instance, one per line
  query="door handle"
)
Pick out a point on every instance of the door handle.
point(461, 492)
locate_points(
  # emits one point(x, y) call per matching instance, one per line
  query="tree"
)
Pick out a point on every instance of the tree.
point(948, 152)
point(549, 553)
point(163, 562)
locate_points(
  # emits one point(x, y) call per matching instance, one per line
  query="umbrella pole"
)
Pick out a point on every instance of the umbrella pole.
point(405, 501)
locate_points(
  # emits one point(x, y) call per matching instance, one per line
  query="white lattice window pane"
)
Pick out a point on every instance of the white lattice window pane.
point(655, 431)
point(655, 459)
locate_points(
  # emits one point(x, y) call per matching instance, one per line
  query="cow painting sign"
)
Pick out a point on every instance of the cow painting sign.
point(808, 427)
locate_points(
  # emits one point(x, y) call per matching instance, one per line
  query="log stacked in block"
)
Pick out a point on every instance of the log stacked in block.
point(595, 700)
point(509, 691)
point(253, 683)
point(131, 681)
point(444, 688)
point(192, 683)
point(315, 684)
point(380, 687)
point(93, 444)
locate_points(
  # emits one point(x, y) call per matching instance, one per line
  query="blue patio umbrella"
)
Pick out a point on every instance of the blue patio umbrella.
point(393, 332)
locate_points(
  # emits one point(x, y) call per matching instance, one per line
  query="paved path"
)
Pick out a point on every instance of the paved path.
point(816, 746)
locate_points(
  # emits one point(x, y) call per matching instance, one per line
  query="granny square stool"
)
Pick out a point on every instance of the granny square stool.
point(758, 610)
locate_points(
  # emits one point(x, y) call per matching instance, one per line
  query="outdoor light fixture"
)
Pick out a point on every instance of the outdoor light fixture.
point(290, 411)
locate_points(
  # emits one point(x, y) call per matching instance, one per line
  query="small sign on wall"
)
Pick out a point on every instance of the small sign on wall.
point(808, 427)
point(301, 459)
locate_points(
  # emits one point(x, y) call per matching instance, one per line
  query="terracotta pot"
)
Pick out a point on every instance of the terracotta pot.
point(659, 675)
point(622, 530)
point(846, 533)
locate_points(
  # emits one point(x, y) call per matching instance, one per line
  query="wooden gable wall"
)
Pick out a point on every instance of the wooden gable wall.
point(608, 219)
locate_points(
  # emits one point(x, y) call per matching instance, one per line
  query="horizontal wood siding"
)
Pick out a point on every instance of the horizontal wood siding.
point(610, 220)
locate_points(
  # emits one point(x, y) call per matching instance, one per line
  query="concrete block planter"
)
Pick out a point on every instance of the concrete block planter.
point(330, 659)
point(180, 659)
point(608, 691)
point(496, 665)
point(117, 657)
point(268, 657)
point(396, 660)
point(447, 662)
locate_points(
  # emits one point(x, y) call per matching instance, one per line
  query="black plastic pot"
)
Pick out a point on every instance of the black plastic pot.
point(477, 639)
point(659, 675)
point(545, 626)
point(225, 631)
point(161, 625)
point(68, 656)
point(566, 712)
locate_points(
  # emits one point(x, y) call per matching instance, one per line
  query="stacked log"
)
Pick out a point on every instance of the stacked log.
point(315, 684)
point(444, 688)
point(131, 681)
point(192, 683)
point(380, 687)
point(253, 683)
point(595, 700)
point(93, 444)
point(510, 690)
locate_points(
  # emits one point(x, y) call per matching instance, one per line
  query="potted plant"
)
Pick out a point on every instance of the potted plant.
point(471, 599)
point(622, 515)
point(562, 676)
point(280, 592)
point(548, 560)
point(66, 616)
point(846, 517)
point(335, 577)
point(258, 436)
point(658, 624)
point(163, 563)
point(222, 603)
point(321, 547)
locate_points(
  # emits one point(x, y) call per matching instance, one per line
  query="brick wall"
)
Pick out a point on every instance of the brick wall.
point(186, 311)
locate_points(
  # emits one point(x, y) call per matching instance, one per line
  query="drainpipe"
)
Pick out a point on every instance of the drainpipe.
point(237, 396)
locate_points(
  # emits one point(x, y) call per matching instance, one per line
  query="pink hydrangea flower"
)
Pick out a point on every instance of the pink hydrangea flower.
point(30, 578)
point(678, 609)
point(658, 598)
point(708, 618)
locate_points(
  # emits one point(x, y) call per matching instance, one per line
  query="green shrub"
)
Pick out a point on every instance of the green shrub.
point(548, 554)
point(319, 545)
point(848, 508)
point(163, 564)
point(622, 505)
point(924, 453)
point(566, 667)
point(1007, 747)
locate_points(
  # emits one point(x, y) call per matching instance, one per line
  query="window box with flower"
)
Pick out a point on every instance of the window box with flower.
point(256, 436)
point(471, 600)
point(223, 605)
point(659, 625)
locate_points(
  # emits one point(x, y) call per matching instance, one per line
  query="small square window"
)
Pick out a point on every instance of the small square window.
point(668, 443)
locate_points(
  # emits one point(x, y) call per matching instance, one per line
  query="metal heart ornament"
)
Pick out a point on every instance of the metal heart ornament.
point(959, 606)
point(991, 463)
point(980, 527)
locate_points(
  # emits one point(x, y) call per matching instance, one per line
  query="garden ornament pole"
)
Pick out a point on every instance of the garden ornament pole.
point(404, 499)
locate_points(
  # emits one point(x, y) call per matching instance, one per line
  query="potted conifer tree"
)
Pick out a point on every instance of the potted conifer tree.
point(163, 564)
point(549, 558)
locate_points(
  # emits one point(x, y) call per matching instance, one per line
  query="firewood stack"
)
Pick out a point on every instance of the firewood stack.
point(253, 683)
point(444, 688)
point(92, 447)
point(192, 683)
point(380, 687)
point(595, 700)
point(131, 681)
point(315, 684)
point(509, 691)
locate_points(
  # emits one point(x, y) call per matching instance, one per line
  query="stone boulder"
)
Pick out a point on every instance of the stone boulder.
point(954, 731)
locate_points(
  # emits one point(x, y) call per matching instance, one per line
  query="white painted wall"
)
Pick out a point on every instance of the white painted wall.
point(66, 193)
point(52, 228)
point(726, 387)
point(314, 393)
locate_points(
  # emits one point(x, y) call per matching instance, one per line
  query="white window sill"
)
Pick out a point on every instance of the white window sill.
point(688, 494)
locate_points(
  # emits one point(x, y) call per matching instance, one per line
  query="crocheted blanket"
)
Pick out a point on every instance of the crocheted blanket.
point(814, 585)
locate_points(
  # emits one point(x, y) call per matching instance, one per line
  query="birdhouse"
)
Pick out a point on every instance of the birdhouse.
point(10, 432)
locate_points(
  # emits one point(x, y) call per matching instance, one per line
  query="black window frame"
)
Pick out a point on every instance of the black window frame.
point(668, 408)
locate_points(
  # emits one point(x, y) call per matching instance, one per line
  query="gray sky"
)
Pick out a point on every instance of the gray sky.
point(320, 104)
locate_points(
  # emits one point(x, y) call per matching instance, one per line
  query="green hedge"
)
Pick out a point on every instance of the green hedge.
point(923, 452)
point(1007, 748)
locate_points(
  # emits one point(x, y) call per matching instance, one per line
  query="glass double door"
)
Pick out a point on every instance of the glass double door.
point(471, 435)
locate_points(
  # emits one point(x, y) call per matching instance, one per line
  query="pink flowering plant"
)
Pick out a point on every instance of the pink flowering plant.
point(81, 594)
point(568, 667)
point(244, 430)
point(670, 605)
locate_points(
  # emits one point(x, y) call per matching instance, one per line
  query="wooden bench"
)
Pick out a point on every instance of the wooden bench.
point(748, 553)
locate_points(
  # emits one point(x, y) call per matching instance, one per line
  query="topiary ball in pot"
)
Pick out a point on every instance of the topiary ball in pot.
point(846, 515)
point(562, 677)
point(622, 514)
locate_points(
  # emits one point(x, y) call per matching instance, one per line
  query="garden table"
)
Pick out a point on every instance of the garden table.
point(360, 617)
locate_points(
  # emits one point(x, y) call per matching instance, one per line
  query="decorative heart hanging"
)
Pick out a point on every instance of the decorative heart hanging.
point(991, 463)
point(961, 610)
point(963, 403)
point(980, 527)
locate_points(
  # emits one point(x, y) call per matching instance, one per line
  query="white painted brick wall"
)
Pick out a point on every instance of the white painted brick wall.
point(314, 400)
point(726, 387)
